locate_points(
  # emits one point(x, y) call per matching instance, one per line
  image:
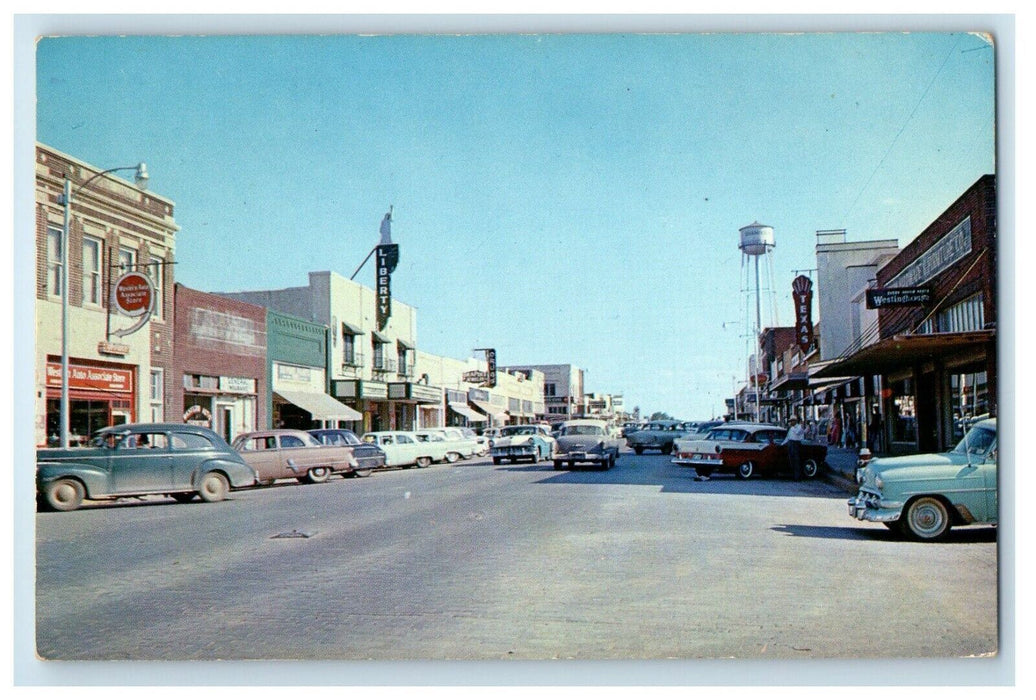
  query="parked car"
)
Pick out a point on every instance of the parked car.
point(404, 449)
point(631, 427)
point(440, 445)
point(656, 435)
point(699, 432)
point(521, 442)
point(923, 496)
point(459, 445)
point(368, 457)
point(586, 442)
point(285, 453)
point(174, 459)
point(481, 442)
point(747, 450)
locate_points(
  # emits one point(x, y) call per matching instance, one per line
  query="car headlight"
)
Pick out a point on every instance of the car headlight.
point(879, 482)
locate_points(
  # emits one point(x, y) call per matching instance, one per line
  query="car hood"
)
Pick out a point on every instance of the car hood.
point(509, 440)
point(913, 468)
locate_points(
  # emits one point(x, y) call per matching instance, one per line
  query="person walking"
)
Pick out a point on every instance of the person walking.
point(834, 436)
point(793, 441)
point(874, 431)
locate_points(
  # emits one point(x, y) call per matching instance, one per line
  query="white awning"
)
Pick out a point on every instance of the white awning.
point(498, 414)
point(462, 409)
point(320, 406)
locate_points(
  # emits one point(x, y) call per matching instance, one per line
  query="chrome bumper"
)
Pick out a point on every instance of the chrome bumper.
point(870, 507)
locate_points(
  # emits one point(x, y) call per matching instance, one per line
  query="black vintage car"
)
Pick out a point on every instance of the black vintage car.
point(367, 455)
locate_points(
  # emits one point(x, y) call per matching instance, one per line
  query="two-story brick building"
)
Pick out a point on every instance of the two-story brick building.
point(114, 227)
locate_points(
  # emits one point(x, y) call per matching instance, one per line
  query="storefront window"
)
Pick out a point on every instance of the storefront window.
point(91, 271)
point(970, 400)
point(903, 417)
point(54, 261)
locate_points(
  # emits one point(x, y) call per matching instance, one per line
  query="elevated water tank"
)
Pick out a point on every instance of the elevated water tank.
point(756, 239)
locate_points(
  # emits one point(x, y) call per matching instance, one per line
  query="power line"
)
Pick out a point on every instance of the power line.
point(902, 129)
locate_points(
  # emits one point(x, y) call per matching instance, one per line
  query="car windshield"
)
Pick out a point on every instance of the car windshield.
point(519, 430)
point(977, 441)
point(581, 430)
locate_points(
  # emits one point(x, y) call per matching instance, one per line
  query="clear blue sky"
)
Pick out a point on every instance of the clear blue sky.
point(562, 198)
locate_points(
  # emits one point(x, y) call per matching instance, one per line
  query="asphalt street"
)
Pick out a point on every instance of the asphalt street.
point(475, 561)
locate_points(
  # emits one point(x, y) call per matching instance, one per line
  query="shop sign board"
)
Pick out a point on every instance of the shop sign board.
point(387, 259)
point(476, 376)
point(237, 385)
point(802, 294)
point(898, 296)
point(91, 378)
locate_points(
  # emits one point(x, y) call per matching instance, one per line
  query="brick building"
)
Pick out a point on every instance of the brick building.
point(219, 363)
point(114, 228)
point(935, 354)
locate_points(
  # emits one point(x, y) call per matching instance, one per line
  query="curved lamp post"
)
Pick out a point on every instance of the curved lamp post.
point(141, 179)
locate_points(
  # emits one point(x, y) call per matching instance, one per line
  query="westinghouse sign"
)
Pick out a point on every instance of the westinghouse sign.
point(898, 296)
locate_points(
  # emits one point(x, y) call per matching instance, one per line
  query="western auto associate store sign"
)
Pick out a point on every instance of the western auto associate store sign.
point(133, 294)
point(802, 293)
point(87, 378)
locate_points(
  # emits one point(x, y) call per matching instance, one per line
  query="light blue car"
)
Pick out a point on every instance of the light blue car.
point(923, 496)
point(523, 443)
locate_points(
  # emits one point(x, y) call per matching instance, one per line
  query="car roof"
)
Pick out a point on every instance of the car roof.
point(585, 421)
point(155, 427)
point(987, 423)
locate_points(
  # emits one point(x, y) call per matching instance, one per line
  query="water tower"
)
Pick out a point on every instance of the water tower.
point(757, 244)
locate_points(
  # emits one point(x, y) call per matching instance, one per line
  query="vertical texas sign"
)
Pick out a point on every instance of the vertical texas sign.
point(802, 293)
point(387, 258)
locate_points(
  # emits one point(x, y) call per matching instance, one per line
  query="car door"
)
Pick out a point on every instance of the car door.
point(295, 457)
point(409, 449)
point(142, 463)
point(187, 451)
point(261, 452)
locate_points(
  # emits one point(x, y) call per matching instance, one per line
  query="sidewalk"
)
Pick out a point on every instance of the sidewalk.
point(842, 468)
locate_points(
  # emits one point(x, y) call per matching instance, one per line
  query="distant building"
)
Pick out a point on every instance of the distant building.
point(563, 390)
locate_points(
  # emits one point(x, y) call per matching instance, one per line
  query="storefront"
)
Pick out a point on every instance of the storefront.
point(415, 405)
point(369, 399)
point(100, 394)
point(492, 406)
point(220, 363)
point(299, 400)
point(934, 363)
point(227, 405)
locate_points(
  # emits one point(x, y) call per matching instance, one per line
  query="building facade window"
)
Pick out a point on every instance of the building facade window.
point(966, 316)
point(54, 261)
point(92, 256)
point(155, 396)
point(401, 356)
point(970, 400)
point(378, 350)
point(550, 390)
point(349, 349)
point(127, 257)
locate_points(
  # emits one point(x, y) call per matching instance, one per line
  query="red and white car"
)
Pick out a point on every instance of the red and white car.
point(746, 449)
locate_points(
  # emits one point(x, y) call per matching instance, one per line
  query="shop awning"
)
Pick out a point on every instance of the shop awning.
point(402, 343)
point(489, 410)
point(350, 328)
point(900, 351)
point(320, 406)
point(462, 409)
point(790, 382)
point(381, 337)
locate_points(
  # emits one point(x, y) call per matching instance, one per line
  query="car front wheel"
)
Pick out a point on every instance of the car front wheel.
point(452, 457)
point(927, 519)
point(746, 470)
point(213, 487)
point(65, 494)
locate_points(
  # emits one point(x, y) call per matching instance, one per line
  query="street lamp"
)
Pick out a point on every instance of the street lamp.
point(141, 179)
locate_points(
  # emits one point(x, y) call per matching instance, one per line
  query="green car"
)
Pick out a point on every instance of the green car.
point(923, 496)
point(174, 459)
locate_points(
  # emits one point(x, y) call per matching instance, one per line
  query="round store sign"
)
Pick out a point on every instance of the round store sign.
point(133, 294)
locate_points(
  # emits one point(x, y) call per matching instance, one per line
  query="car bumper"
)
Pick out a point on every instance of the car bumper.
point(575, 457)
point(524, 451)
point(697, 462)
point(870, 507)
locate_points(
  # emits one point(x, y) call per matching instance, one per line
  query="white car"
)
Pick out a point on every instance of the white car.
point(404, 449)
point(481, 441)
point(456, 444)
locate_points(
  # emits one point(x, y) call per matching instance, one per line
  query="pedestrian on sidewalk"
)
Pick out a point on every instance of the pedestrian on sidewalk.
point(793, 441)
point(834, 436)
point(874, 432)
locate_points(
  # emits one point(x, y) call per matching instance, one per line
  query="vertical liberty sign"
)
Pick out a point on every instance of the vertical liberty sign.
point(387, 258)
